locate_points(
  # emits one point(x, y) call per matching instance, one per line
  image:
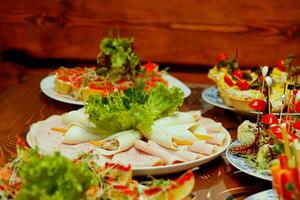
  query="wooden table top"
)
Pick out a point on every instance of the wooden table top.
point(24, 103)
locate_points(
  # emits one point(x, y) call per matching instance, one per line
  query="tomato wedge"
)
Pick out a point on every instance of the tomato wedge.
point(222, 57)
point(228, 80)
point(243, 84)
point(238, 74)
point(258, 104)
point(269, 119)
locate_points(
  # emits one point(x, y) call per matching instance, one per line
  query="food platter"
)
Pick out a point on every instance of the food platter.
point(241, 164)
point(265, 195)
point(51, 142)
point(47, 87)
point(211, 96)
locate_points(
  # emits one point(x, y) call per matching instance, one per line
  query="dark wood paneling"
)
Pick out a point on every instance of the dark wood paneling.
point(178, 31)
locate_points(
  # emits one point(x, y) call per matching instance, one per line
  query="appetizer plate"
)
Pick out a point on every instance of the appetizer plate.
point(211, 96)
point(47, 87)
point(53, 141)
point(264, 195)
point(241, 164)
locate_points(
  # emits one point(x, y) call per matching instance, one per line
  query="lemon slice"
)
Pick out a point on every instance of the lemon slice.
point(180, 141)
point(99, 143)
point(200, 136)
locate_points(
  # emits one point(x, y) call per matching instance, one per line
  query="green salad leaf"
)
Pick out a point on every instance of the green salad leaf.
point(134, 108)
point(53, 177)
point(117, 58)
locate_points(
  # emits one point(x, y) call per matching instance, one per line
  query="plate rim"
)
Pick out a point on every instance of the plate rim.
point(47, 85)
point(154, 170)
point(257, 195)
point(254, 174)
point(224, 106)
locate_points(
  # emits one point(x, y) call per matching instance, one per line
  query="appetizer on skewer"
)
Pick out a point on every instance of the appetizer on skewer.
point(238, 87)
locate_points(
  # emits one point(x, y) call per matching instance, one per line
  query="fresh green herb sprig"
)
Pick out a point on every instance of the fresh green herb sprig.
point(117, 58)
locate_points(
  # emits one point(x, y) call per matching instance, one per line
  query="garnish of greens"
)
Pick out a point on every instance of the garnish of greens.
point(117, 58)
point(53, 177)
point(134, 108)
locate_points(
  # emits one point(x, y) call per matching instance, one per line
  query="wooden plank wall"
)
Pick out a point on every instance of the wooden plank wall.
point(179, 31)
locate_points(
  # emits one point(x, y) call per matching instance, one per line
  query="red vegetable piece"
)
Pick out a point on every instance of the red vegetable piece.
point(222, 57)
point(297, 106)
point(280, 64)
point(269, 119)
point(21, 142)
point(149, 67)
point(243, 84)
point(296, 125)
point(238, 74)
point(228, 80)
point(258, 104)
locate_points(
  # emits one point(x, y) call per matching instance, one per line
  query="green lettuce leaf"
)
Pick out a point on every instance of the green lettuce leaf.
point(133, 108)
point(52, 177)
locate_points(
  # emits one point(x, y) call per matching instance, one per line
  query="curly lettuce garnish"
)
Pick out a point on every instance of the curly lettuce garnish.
point(133, 108)
point(117, 58)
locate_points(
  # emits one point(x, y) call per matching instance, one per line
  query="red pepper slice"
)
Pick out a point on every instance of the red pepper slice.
point(258, 104)
point(296, 125)
point(243, 84)
point(269, 119)
point(280, 64)
point(238, 74)
point(228, 80)
point(149, 67)
point(297, 106)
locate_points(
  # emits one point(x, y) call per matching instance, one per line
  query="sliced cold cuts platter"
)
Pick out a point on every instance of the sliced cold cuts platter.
point(176, 143)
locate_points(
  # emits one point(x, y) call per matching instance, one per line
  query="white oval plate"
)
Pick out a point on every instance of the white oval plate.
point(211, 96)
point(264, 195)
point(47, 87)
point(51, 143)
point(241, 164)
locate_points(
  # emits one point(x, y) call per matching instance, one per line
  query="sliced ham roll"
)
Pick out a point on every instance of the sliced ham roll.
point(136, 158)
point(158, 151)
point(181, 131)
point(187, 155)
point(118, 142)
point(79, 118)
point(177, 118)
point(217, 138)
point(159, 135)
point(210, 125)
point(202, 148)
point(76, 135)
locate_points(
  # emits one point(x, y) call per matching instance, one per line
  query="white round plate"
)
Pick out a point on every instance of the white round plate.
point(48, 142)
point(211, 96)
point(241, 164)
point(264, 195)
point(47, 87)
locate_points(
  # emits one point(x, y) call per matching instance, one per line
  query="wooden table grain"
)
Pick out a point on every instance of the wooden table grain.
point(23, 104)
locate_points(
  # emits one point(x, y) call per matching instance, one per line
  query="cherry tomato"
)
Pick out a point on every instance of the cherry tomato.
point(291, 110)
point(222, 57)
point(258, 104)
point(228, 80)
point(238, 74)
point(296, 125)
point(280, 64)
point(243, 84)
point(269, 119)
